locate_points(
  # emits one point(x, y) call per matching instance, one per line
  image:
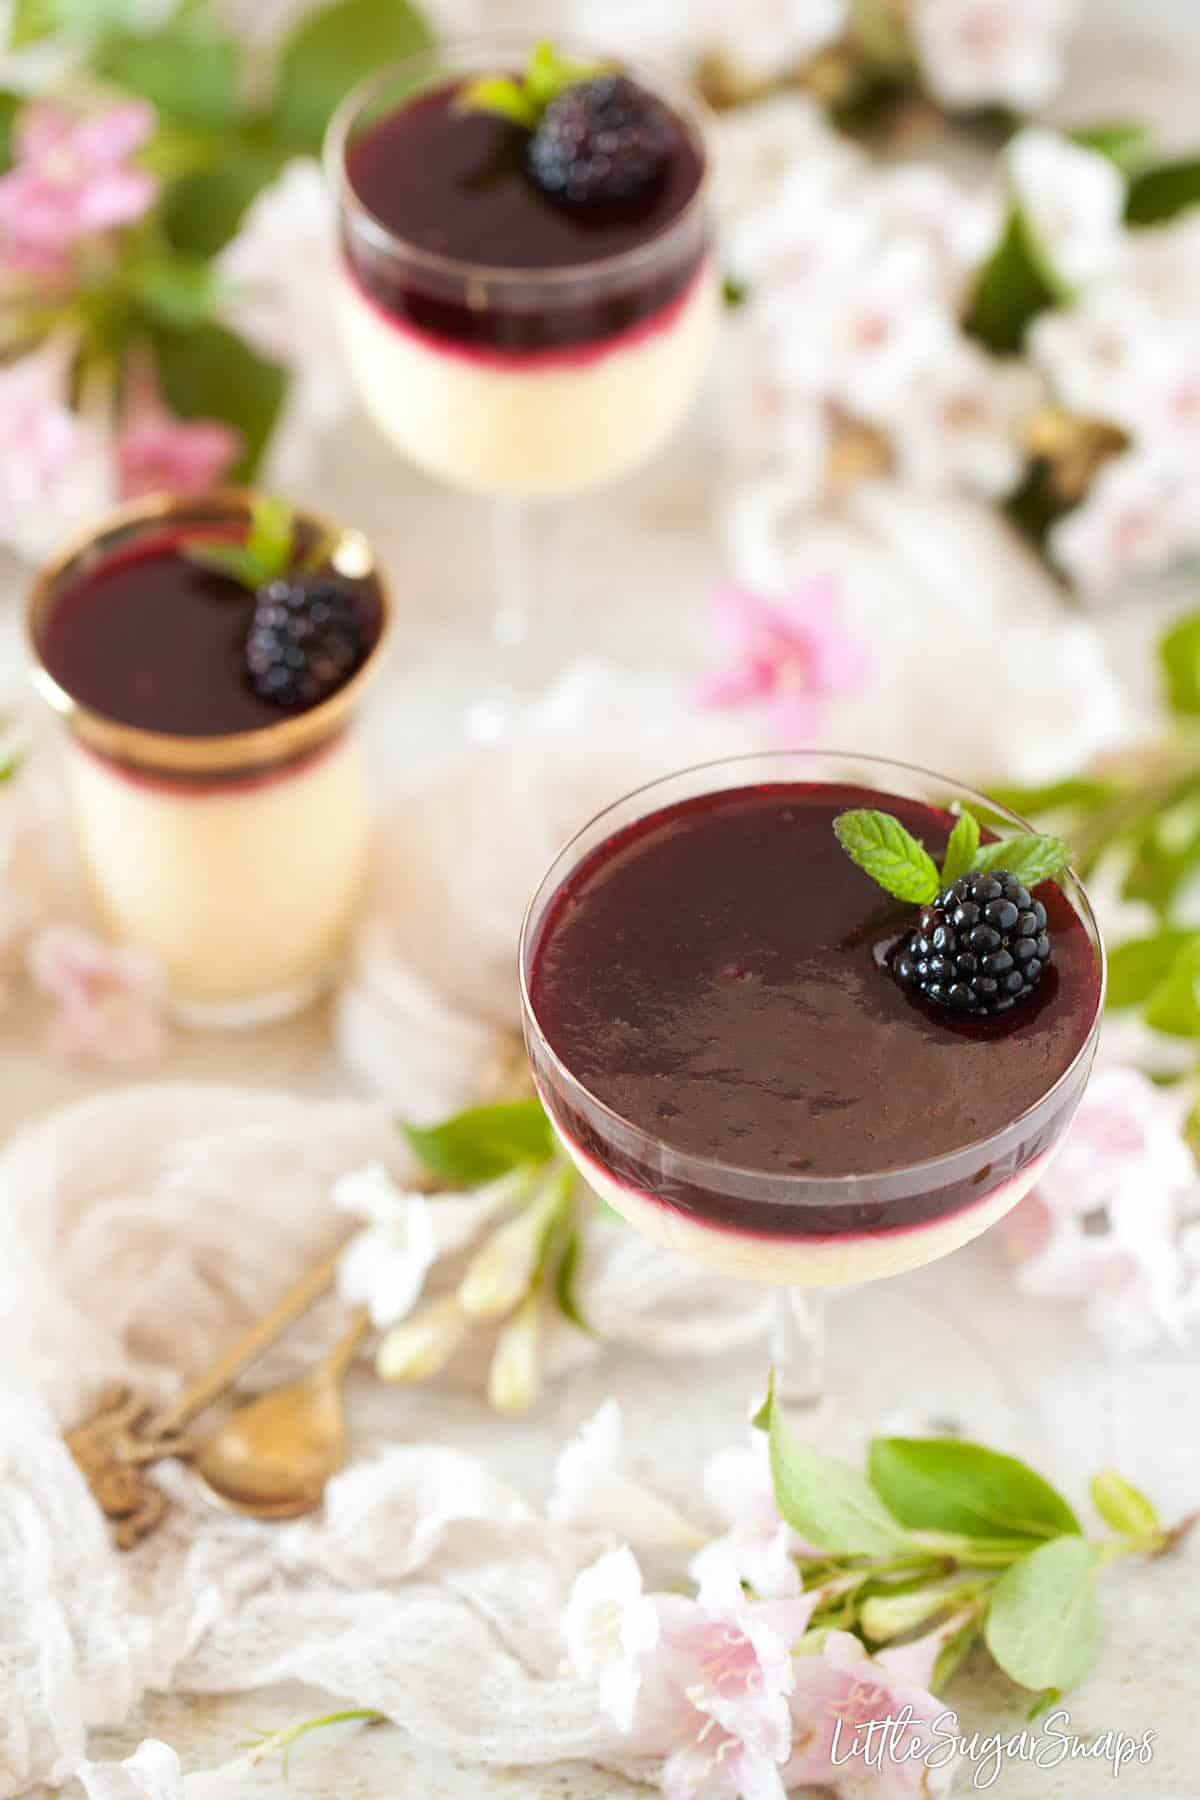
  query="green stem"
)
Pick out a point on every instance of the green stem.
point(289, 1735)
point(977, 1552)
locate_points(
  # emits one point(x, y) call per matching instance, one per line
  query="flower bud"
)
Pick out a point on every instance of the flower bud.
point(886, 1616)
point(514, 1379)
point(500, 1274)
point(423, 1343)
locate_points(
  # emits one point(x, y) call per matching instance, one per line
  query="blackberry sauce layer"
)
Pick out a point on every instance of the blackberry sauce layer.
point(453, 183)
point(716, 975)
point(149, 639)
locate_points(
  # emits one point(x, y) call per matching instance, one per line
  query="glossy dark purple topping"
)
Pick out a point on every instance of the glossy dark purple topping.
point(715, 974)
point(151, 640)
point(454, 183)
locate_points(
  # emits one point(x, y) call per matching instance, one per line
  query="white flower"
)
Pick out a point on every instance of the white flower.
point(499, 1274)
point(593, 1491)
point(1098, 354)
point(280, 272)
point(384, 1267)
point(1139, 516)
point(757, 1542)
point(1074, 199)
point(609, 1625)
point(988, 52)
point(961, 423)
point(763, 148)
point(153, 1772)
point(959, 226)
point(763, 37)
point(424, 1342)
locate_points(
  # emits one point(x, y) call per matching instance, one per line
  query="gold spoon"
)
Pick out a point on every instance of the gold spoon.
point(272, 1458)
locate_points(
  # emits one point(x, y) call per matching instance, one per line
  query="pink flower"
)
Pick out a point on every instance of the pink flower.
point(862, 1728)
point(55, 465)
point(788, 656)
point(108, 998)
point(159, 453)
point(713, 1699)
point(1105, 1224)
point(72, 179)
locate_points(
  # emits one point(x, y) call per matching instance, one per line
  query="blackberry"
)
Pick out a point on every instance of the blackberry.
point(979, 947)
point(601, 140)
point(305, 641)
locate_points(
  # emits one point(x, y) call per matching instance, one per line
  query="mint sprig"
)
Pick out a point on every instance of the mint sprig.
point(523, 99)
point(936, 1529)
point(271, 548)
point(886, 851)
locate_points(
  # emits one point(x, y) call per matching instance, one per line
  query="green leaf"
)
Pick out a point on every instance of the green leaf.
point(190, 74)
point(960, 851)
point(227, 559)
point(203, 210)
point(1179, 654)
point(10, 106)
point(734, 292)
point(1164, 191)
point(1123, 141)
point(1014, 285)
point(1029, 857)
point(269, 539)
point(485, 1141)
point(209, 373)
point(176, 290)
point(330, 52)
point(888, 853)
point(1054, 796)
point(564, 1282)
point(30, 21)
point(828, 1502)
point(947, 1484)
point(502, 96)
point(1174, 1006)
point(1123, 1506)
point(1043, 1625)
point(1046, 1699)
point(1137, 967)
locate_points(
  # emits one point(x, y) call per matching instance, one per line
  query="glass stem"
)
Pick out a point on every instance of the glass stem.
point(798, 1346)
point(512, 571)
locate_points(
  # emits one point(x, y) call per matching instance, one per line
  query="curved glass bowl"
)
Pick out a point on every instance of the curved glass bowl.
point(798, 1229)
point(511, 380)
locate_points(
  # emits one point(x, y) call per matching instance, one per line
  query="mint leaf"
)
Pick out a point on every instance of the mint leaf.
point(1179, 654)
point(960, 851)
point(888, 853)
point(226, 559)
point(484, 1142)
point(1043, 1625)
point(501, 95)
point(1161, 192)
point(1014, 285)
point(828, 1502)
point(945, 1484)
point(1123, 1506)
point(544, 78)
point(1140, 965)
point(269, 540)
point(1029, 857)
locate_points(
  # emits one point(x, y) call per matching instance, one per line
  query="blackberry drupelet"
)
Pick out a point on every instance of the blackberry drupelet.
point(601, 140)
point(980, 947)
point(305, 641)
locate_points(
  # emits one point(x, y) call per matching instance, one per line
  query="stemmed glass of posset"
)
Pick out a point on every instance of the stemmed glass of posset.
point(526, 287)
point(762, 1059)
point(216, 781)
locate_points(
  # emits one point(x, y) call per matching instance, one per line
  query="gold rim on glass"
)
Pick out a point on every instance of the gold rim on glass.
point(142, 748)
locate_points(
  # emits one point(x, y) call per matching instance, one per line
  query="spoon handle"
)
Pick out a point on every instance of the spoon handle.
point(210, 1385)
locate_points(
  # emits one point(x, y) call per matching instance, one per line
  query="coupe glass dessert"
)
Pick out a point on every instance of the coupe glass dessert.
point(526, 289)
point(759, 1057)
point(208, 656)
